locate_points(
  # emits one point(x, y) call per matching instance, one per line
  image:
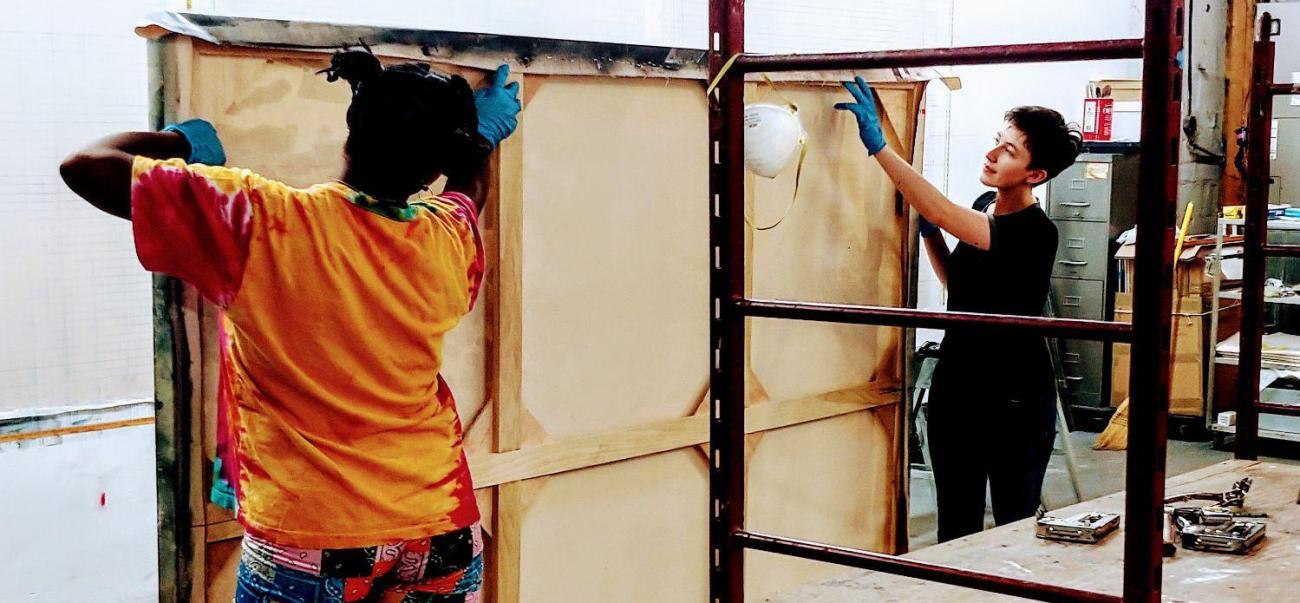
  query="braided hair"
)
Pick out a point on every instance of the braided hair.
point(408, 123)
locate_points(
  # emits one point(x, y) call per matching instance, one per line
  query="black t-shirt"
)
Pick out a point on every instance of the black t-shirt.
point(1011, 277)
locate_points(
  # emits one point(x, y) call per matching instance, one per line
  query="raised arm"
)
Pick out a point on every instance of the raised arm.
point(971, 226)
point(498, 108)
point(100, 173)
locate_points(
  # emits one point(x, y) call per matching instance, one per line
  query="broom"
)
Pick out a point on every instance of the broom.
point(1115, 436)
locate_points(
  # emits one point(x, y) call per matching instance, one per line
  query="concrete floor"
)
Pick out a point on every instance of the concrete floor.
point(1101, 472)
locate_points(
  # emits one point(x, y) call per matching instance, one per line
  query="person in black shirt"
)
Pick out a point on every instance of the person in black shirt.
point(992, 412)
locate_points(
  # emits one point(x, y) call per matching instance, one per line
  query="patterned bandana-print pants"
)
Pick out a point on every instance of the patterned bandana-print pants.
point(447, 568)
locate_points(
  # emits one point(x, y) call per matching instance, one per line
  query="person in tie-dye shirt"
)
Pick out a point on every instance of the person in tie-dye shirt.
point(347, 461)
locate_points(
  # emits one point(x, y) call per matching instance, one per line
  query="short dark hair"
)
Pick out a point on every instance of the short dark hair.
point(408, 121)
point(1053, 144)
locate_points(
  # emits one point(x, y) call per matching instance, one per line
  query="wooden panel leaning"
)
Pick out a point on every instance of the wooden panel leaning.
point(581, 374)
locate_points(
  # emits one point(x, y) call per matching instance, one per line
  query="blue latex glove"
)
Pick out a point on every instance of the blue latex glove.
point(205, 147)
point(865, 110)
point(498, 107)
point(926, 227)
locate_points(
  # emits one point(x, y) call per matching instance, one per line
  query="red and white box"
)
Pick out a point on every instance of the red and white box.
point(1098, 118)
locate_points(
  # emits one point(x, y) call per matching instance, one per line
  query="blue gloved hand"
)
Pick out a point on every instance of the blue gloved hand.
point(865, 110)
point(498, 107)
point(205, 146)
point(926, 227)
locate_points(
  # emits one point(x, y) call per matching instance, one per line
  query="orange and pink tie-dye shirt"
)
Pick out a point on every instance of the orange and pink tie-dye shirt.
point(336, 307)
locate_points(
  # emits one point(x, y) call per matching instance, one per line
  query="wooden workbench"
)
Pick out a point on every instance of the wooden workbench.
point(1268, 573)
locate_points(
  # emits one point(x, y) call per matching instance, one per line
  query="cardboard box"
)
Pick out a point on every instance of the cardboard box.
point(1190, 276)
point(1098, 118)
point(1191, 351)
point(1120, 111)
point(1187, 376)
point(1120, 90)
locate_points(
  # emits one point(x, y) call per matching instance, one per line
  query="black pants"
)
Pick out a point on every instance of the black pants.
point(977, 436)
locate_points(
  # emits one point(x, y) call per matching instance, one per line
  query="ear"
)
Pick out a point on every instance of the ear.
point(1037, 177)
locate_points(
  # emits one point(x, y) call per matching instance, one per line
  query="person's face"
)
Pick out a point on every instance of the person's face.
point(1006, 165)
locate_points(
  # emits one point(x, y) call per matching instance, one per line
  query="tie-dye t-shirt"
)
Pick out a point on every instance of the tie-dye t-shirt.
point(336, 307)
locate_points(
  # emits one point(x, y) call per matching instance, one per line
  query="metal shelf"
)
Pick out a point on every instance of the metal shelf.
point(1277, 366)
point(1293, 300)
point(1274, 223)
point(1217, 294)
point(1271, 434)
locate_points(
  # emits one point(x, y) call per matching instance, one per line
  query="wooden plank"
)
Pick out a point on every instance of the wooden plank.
point(530, 63)
point(909, 245)
point(192, 320)
point(168, 442)
point(224, 530)
point(506, 328)
point(505, 553)
point(170, 78)
point(62, 431)
point(198, 566)
point(1178, 482)
point(221, 565)
point(506, 322)
point(467, 58)
point(1237, 71)
point(581, 452)
point(1265, 574)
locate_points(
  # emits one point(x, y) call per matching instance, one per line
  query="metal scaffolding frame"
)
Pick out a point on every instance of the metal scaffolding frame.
point(1258, 125)
point(1149, 332)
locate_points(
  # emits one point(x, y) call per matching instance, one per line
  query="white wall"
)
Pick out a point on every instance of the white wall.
point(657, 22)
point(78, 513)
point(991, 90)
point(772, 25)
point(988, 91)
point(74, 305)
point(75, 326)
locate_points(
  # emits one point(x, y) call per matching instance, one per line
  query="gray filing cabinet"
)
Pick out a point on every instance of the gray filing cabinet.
point(1091, 202)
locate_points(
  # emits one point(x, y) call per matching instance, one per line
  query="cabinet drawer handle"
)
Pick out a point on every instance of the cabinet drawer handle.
point(1076, 204)
point(1071, 263)
point(1073, 301)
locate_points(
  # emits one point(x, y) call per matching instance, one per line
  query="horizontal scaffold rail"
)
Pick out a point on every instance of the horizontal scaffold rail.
point(1051, 52)
point(917, 569)
point(887, 316)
